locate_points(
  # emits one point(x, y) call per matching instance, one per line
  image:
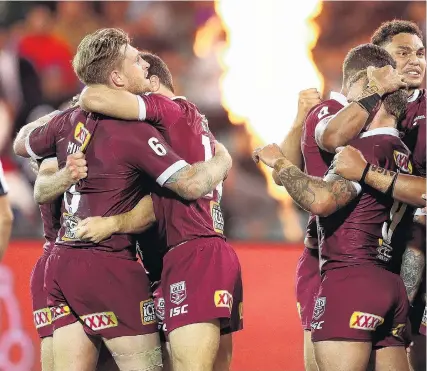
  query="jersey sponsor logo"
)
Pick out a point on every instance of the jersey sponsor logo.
point(148, 312)
point(223, 299)
point(398, 330)
point(100, 321)
point(59, 312)
point(319, 307)
point(365, 321)
point(402, 161)
point(42, 317)
point(178, 310)
point(178, 292)
point(384, 251)
point(418, 118)
point(82, 135)
point(217, 218)
point(317, 325)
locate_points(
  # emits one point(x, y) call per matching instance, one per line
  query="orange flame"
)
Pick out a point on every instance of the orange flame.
point(266, 60)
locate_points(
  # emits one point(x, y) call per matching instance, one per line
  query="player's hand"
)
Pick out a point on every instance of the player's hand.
point(95, 229)
point(76, 167)
point(349, 163)
point(386, 79)
point(268, 154)
point(307, 99)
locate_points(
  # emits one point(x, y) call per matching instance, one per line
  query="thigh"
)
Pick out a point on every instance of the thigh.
point(198, 283)
point(342, 355)
point(195, 346)
point(73, 350)
point(391, 359)
point(46, 353)
point(110, 295)
point(141, 352)
point(309, 359)
point(225, 353)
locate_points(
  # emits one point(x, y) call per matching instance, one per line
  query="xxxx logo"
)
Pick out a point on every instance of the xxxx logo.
point(42, 317)
point(59, 311)
point(100, 321)
point(223, 299)
point(365, 321)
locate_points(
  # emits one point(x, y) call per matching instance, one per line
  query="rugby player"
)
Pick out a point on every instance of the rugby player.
point(108, 298)
point(200, 266)
point(348, 244)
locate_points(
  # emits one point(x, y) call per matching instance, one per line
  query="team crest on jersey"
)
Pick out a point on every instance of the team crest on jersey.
point(402, 161)
point(160, 309)
point(217, 218)
point(178, 292)
point(82, 135)
point(70, 222)
point(319, 307)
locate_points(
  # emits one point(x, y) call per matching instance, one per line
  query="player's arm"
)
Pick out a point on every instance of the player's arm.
point(6, 215)
point(319, 196)
point(138, 220)
point(291, 145)
point(124, 105)
point(20, 145)
point(52, 183)
point(409, 189)
point(341, 128)
point(197, 180)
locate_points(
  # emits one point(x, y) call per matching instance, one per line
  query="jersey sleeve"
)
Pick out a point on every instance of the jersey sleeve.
point(155, 156)
point(4, 189)
point(41, 141)
point(156, 107)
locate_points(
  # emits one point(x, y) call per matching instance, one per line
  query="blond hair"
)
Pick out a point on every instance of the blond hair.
point(98, 54)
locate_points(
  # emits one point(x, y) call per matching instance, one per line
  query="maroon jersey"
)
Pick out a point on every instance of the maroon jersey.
point(414, 126)
point(316, 160)
point(123, 157)
point(191, 139)
point(364, 231)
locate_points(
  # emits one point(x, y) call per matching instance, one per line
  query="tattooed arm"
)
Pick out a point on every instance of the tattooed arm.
point(319, 196)
point(350, 164)
point(413, 262)
point(197, 180)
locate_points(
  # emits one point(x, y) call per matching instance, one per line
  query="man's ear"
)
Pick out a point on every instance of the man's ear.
point(154, 83)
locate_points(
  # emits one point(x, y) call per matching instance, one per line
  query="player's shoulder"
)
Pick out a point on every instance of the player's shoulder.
point(324, 109)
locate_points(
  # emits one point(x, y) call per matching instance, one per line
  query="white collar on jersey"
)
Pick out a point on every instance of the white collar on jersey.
point(380, 131)
point(179, 97)
point(339, 98)
point(414, 95)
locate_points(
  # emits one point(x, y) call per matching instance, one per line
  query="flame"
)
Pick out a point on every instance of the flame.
point(266, 60)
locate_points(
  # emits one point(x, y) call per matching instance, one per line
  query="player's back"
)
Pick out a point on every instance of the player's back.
point(192, 140)
point(316, 160)
point(114, 184)
point(362, 232)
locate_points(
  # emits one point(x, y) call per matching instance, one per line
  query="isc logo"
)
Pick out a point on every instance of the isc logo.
point(179, 310)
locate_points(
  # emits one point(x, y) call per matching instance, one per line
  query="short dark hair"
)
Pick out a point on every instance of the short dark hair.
point(363, 56)
point(385, 33)
point(158, 68)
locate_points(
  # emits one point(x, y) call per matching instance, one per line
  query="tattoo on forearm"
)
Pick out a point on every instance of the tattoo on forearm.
point(381, 170)
point(306, 190)
point(412, 271)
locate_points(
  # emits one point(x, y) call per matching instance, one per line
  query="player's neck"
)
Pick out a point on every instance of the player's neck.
point(383, 120)
point(165, 91)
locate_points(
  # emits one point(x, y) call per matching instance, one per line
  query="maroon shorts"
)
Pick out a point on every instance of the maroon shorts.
point(201, 281)
point(307, 285)
point(159, 304)
point(364, 303)
point(41, 312)
point(424, 322)
point(109, 295)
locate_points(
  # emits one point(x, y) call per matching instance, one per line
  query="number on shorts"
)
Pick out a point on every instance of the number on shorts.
point(208, 155)
point(156, 146)
point(396, 214)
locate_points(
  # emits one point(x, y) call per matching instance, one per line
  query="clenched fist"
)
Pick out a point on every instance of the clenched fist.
point(349, 163)
point(307, 99)
point(76, 167)
point(268, 154)
point(386, 79)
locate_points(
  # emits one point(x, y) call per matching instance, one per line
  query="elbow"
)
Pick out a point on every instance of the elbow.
point(19, 147)
point(330, 142)
point(322, 208)
point(39, 196)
